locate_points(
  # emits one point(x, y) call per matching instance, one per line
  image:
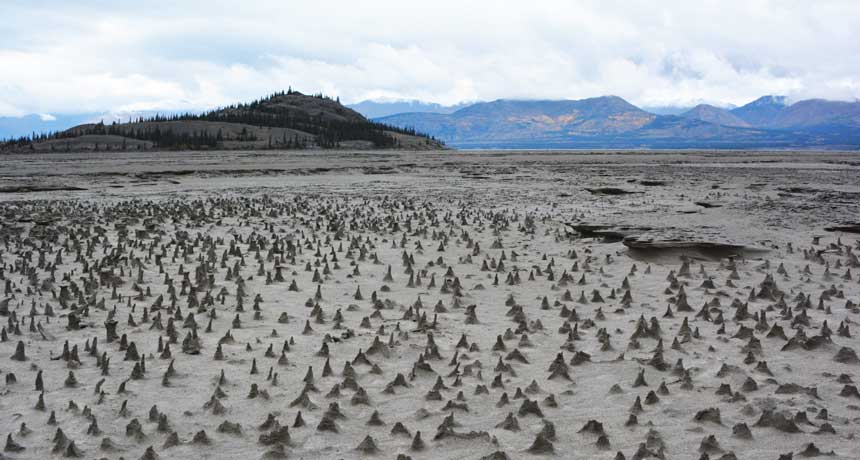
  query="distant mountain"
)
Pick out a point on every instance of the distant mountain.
point(666, 109)
point(612, 122)
point(375, 109)
point(816, 113)
point(516, 121)
point(762, 111)
point(285, 120)
point(716, 115)
point(13, 127)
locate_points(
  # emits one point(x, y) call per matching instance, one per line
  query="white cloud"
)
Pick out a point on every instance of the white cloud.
point(131, 56)
point(47, 117)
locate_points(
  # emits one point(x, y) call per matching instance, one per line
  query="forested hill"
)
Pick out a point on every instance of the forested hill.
point(284, 120)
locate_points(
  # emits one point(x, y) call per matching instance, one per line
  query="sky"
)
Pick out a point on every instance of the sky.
point(125, 56)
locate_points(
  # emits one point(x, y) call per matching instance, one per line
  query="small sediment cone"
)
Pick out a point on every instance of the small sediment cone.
point(741, 431)
point(529, 407)
point(849, 391)
point(811, 450)
point(593, 427)
point(710, 445)
point(72, 451)
point(229, 427)
point(135, 430)
point(603, 442)
point(548, 430)
point(846, 355)
point(19, 352)
point(171, 441)
point(299, 421)
point(327, 424)
point(541, 446)
point(417, 442)
point(777, 420)
point(400, 429)
point(636, 408)
point(375, 419)
point(711, 414)
point(12, 446)
point(367, 446)
point(640, 379)
point(107, 444)
point(149, 454)
point(280, 435)
point(510, 423)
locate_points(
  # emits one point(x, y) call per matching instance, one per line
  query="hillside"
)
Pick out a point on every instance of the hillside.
point(612, 122)
point(286, 120)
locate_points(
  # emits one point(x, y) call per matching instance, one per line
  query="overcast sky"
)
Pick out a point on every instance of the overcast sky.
point(88, 56)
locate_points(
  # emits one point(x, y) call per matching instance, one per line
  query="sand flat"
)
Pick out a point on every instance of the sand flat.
point(336, 222)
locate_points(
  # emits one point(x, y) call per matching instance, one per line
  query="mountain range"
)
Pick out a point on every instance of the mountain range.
point(612, 122)
point(378, 109)
point(600, 122)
